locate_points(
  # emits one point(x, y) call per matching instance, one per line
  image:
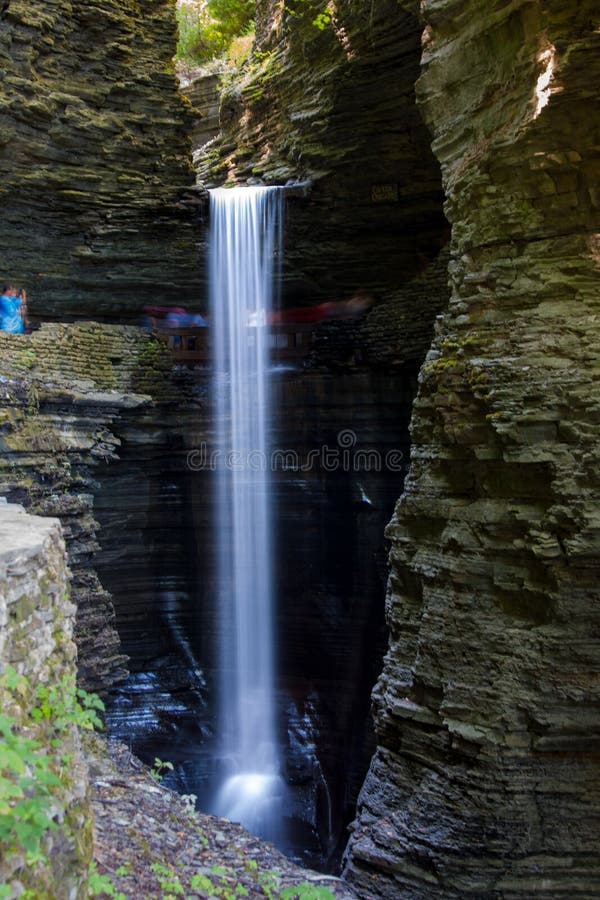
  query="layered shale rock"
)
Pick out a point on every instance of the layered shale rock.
point(486, 782)
point(333, 107)
point(95, 208)
point(201, 87)
point(62, 390)
point(342, 442)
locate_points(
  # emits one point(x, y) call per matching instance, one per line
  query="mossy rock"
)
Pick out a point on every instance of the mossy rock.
point(152, 370)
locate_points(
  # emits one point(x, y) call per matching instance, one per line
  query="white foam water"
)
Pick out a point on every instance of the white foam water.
point(244, 249)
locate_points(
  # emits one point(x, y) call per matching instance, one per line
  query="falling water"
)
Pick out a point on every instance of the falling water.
point(245, 235)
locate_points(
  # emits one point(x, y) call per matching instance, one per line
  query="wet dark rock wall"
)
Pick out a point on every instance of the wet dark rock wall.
point(486, 782)
point(95, 157)
point(62, 389)
point(148, 560)
point(341, 453)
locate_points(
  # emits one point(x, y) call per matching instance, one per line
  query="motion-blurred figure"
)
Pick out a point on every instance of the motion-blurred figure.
point(357, 305)
point(13, 309)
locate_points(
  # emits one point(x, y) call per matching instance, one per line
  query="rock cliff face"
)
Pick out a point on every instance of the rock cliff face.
point(335, 106)
point(62, 390)
point(158, 554)
point(94, 157)
point(486, 782)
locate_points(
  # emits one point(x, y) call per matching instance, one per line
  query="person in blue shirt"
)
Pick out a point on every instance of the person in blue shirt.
point(13, 309)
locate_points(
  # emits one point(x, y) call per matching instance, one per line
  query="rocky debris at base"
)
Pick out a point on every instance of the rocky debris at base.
point(150, 844)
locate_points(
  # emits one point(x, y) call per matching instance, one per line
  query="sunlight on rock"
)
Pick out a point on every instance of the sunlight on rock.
point(542, 88)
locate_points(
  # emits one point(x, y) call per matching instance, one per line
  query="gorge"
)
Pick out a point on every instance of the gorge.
point(442, 159)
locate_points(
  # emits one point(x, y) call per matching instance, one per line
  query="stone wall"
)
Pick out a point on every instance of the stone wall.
point(486, 782)
point(95, 157)
point(36, 623)
point(88, 357)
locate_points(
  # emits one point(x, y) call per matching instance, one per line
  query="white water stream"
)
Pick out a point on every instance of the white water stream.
point(244, 247)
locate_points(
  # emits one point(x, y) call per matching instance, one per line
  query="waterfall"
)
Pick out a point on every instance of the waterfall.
point(244, 245)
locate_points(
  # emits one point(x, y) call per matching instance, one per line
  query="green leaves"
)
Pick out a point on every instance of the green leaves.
point(224, 883)
point(63, 704)
point(323, 20)
point(159, 768)
point(31, 766)
point(306, 891)
point(207, 30)
point(101, 885)
point(26, 779)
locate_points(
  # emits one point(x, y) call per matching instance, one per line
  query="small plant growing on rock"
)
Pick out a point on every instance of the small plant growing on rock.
point(189, 802)
point(160, 768)
point(102, 886)
point(306, 891)
point(168, 881)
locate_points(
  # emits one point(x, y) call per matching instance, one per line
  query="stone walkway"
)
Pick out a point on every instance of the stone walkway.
point(151, 846)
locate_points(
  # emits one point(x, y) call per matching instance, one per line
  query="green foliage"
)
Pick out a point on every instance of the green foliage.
point(219, 882)
point(199, 37)
point(306, 891)
point(63, 704)
point(159, 769)
point(323, 20)
point(32, 759)
point(234, 16)
point(168, 881)
point(320, 13)
point(222, 882)
point(206, 29)
point(101, 885)
point(269, 883)
point(26, 779)
point(240, 49)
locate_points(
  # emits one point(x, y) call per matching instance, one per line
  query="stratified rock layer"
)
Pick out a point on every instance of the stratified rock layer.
point(94, 157)
point(486, 782)
point(340, 441)
point(62, 389)
point(333, 107)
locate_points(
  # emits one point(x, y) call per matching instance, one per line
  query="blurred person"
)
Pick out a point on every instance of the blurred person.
point(356, 305)
point(172, 317)
point(13, 309)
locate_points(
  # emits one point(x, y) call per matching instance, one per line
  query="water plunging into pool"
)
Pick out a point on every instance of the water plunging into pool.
point(244, 246)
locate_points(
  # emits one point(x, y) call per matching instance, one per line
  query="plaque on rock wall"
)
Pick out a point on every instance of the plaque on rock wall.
point(384, 193)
